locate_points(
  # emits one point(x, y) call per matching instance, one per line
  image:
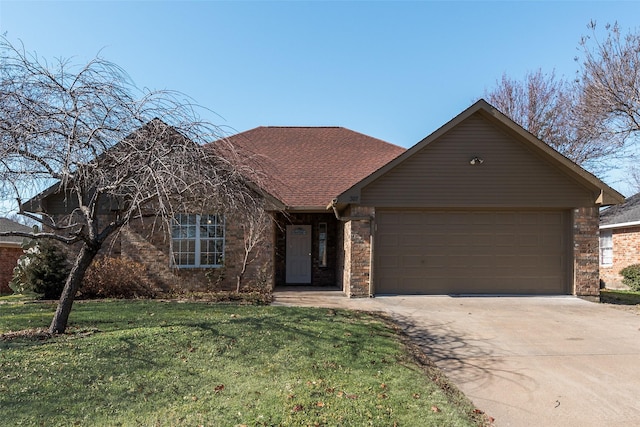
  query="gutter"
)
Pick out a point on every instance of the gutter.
point(620, 225)
point(333, 206)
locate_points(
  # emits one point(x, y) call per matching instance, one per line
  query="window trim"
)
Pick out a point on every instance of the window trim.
point(198, 239)
point(606, 246)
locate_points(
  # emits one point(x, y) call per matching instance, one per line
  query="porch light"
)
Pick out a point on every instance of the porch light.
point(476, 161)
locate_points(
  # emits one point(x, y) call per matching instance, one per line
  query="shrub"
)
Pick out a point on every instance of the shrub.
point(19, 283)
point(631, 276)
point(110, 277)
point(43, 270)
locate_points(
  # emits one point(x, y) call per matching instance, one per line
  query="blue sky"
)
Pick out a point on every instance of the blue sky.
point(392, 70)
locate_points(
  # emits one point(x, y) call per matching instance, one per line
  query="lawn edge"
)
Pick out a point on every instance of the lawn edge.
point(435, 374)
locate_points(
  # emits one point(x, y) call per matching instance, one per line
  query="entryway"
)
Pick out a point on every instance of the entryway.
point(306, 249)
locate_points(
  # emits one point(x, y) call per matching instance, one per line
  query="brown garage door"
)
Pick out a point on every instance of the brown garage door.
point(451, 252)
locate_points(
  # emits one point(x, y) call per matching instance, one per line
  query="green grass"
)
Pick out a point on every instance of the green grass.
point(612, 296)
point(150, 363)
point(15, 298)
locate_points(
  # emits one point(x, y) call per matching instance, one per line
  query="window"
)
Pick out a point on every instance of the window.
point(606, 247)
point(322, 244)
point(197, 240)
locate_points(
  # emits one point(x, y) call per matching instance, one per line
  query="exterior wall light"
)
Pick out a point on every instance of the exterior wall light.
point(476, 161)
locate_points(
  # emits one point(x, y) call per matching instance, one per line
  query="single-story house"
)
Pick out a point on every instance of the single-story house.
point(619, 241)
point(10, 251)
point(480, 206)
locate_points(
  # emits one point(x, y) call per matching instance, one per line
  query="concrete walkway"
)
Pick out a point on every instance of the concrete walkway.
point(526, 361)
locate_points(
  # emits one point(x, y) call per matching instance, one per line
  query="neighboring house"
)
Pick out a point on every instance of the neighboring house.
point(10, 251)
point(619, 240)
point(480, 206)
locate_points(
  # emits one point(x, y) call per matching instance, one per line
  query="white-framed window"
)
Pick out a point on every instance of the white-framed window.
point(606, 247)
point(197, 241)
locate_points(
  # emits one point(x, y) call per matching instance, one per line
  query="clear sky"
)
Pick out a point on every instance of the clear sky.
point(393, 70)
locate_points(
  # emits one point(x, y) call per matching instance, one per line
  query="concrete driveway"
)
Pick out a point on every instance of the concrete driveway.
point(526, 361)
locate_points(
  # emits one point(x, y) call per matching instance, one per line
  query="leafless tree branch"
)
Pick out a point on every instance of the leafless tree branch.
point(109, 153)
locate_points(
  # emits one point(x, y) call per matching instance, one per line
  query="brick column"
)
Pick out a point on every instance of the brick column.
point(357, 262)
point(586, 252)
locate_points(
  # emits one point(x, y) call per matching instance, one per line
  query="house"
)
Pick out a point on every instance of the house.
point(479, 206)
point(619, 240)
point(10, 251)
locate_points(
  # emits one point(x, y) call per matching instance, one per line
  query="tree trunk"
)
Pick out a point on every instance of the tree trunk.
point(61, 317)
point(240, 275)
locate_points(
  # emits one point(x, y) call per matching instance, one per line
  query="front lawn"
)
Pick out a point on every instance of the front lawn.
point(143, 363)
point(612, 296)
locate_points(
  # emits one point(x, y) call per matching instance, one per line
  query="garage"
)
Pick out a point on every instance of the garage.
point(471, 252)
point(480, 206)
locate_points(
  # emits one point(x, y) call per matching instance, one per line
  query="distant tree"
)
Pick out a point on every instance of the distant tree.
point(610, 82)
point(90, 136)
point(549, 108)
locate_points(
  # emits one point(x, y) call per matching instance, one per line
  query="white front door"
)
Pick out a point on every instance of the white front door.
point(298, 258)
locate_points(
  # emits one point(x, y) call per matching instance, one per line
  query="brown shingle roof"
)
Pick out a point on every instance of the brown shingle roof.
point(307, 167)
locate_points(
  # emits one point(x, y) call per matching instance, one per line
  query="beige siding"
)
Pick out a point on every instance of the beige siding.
point(511, 175)
point(444, 252)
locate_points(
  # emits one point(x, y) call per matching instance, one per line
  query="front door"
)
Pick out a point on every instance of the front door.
point(298, 258)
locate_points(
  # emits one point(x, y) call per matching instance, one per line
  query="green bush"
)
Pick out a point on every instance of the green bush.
point(631, 276)
point(43, 270)
point(110, 277)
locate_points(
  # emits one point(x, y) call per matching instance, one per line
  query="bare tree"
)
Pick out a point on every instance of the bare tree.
point(89, 137)
point(550, 108)
point(254, 233)
point(610, 81)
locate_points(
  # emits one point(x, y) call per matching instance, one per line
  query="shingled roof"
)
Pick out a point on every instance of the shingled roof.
point(624, 213)
point(307, 167)
point(9, 225)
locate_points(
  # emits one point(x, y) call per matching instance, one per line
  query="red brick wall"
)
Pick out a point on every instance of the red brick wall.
point(8, 258)
point(626, 251)
point(586, 251)
point(148, 242)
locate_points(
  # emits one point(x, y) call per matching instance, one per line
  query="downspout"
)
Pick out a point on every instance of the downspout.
point(339, 217)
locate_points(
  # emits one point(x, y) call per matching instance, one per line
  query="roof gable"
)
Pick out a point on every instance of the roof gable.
point(549, 162)
point(306, 167)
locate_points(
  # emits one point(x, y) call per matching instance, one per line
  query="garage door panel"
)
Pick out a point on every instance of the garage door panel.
point(471, 252)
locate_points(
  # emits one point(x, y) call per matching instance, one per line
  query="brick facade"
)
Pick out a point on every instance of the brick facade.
point(356, 273)
point(8, 259)
point(626, 251)
point(148, 242)
point(586, 252)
